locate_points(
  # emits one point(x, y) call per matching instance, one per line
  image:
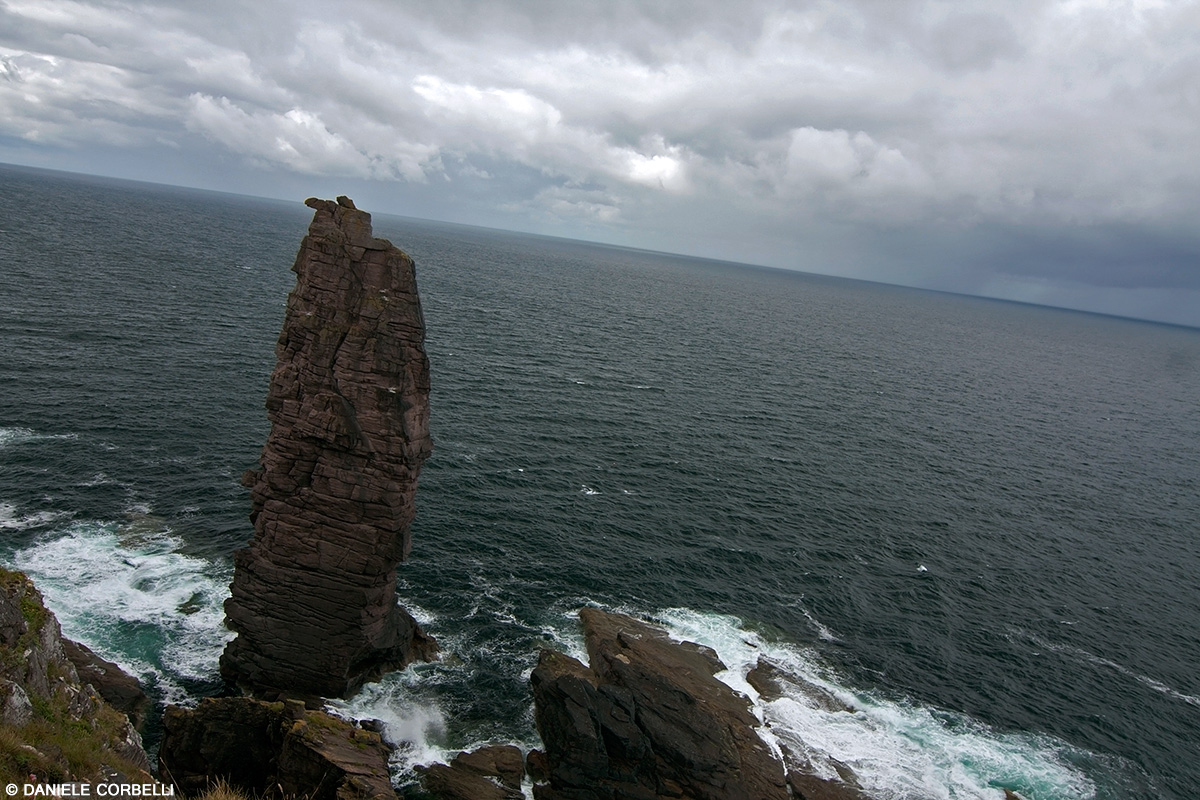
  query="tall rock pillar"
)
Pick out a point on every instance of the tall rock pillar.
point(313, 599)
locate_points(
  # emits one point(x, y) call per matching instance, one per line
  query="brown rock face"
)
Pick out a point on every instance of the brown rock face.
point(314, 595)
point(119, 689)
point(647, 720)
point(489, 773)
point(262, 748)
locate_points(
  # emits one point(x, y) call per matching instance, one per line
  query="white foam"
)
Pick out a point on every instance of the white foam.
point(823, 633)
point(587, 490)
point(412, 722)
point(566, 637)
point(898, 750)
point(424, 617)
point(1083, 655)
point(12, 436)
point(126, 592)
point(13, 520)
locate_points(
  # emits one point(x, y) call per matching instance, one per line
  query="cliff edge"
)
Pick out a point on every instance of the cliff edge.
point(55, 726)
point(313, 599)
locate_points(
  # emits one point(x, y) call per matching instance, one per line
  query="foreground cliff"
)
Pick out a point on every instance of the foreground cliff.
point(313, 598)
point(278, 749)
point(53, 724)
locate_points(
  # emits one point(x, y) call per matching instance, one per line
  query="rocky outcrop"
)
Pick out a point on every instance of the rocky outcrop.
point(807, 768)
point(272, 749)
point(313, 599)
point(489, 773)
point(119, 689)
point(648, 719)
point(57, 725)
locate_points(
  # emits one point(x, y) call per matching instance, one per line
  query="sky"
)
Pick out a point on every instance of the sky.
point(1046, 151)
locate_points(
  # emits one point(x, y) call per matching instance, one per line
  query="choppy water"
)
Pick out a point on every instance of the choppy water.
point(975, 521)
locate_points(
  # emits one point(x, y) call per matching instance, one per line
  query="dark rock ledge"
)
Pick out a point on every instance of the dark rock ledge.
point(272, 749)
point(646, 719)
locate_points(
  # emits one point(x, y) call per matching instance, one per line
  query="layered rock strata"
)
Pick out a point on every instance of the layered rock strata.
point(647, 719)
point(313, 599)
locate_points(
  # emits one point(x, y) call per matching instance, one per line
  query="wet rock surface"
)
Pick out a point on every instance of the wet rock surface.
point(502, 762)
point(313, 599)
point(771, 682)
point(646, 719)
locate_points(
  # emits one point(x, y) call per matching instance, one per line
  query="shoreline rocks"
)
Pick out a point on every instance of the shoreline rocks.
point(57, 724)
point(313, 598)
point(119, 689)
point(272, 748)
point(646, 719)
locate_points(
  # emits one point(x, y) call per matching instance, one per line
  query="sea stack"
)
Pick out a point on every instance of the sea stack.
point(313, 599)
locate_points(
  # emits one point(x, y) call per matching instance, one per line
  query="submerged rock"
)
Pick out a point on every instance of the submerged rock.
point(771, 682)
point(811, 787)
point(313, 598)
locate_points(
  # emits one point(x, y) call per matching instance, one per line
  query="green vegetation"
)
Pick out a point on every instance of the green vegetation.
point(34, 613)
point(223, 791)
point(54, 745)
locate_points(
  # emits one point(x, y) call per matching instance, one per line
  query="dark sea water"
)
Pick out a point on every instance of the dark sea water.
point(977, 521)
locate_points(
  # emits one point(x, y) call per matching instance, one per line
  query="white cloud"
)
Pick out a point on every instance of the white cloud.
point(515, 124)
point(759, 120)
point(821, 159)
point(299, 140)
point(663, 171)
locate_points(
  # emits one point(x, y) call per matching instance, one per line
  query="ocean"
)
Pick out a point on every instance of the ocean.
point(976, 521)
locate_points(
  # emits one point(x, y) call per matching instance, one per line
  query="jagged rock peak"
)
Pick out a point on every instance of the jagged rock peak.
point(313, 598)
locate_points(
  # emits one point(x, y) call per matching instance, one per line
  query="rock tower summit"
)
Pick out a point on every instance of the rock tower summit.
point(313, 599)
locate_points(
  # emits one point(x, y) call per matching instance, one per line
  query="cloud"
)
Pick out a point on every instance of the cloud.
point(296, 139)
point(971, 41)
point(797, 132)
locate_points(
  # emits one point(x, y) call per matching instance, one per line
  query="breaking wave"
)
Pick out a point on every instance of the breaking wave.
point(126, 591)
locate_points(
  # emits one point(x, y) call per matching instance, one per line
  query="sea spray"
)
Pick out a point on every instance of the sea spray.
point(898, 749)
point(412, 721)
point(125, 590)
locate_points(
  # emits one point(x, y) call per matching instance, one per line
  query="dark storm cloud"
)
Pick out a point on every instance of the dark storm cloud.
point(1038, 150)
